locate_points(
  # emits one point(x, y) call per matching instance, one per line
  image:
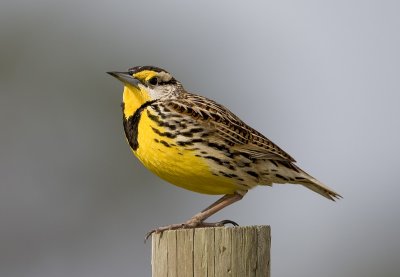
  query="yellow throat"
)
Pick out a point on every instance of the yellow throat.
point(134, 97)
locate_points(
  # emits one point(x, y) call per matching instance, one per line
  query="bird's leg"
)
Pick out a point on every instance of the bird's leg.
point(198, 220)
point(218, 201)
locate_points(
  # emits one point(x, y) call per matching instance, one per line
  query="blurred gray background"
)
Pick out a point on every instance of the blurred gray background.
point(319, 78)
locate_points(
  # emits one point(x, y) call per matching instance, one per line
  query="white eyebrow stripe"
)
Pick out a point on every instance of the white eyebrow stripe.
point(164, 76)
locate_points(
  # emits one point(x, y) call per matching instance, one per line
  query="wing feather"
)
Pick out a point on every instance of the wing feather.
point(227, 126)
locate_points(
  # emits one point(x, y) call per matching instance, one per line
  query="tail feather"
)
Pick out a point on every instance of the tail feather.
point(290, 173)
point(313, 184)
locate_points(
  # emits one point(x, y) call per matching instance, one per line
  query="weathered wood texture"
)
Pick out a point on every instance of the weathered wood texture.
point(212, 252)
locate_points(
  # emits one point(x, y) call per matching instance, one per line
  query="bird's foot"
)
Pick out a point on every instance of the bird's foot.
point(190, 224)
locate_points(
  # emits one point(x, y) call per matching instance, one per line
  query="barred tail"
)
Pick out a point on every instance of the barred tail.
point(287, 172)
point(313, 184)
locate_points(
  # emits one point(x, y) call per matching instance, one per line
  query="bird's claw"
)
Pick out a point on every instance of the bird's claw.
point(191, 224)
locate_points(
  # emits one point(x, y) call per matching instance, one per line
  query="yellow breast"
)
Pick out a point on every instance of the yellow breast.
point(176, 164)
point(161, 154)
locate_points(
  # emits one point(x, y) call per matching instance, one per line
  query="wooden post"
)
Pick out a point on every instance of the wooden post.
point(212, 252)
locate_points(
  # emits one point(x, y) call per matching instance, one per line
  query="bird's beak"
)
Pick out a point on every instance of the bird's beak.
point(125, 78)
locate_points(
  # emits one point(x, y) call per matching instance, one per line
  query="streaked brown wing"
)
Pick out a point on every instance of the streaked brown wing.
point(228, 127)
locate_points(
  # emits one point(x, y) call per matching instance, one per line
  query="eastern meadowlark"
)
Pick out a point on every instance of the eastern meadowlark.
point(198, 144)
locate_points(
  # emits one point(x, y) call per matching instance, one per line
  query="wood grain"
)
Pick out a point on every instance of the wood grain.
point(212, 252)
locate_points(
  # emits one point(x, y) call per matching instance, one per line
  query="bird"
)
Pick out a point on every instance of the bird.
point(199, 145)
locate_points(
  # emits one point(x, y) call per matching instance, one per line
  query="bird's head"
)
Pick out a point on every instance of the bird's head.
point(145, 83)
point(150, 82)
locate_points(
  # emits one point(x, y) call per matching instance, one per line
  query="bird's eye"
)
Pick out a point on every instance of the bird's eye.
point(153, 81)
